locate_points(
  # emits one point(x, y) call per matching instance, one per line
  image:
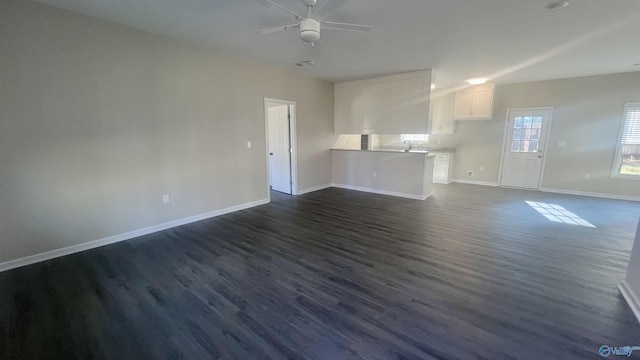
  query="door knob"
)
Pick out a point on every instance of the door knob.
point(270, 153)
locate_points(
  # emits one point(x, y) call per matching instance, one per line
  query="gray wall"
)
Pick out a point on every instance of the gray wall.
point(97, 121)
point(587, 116)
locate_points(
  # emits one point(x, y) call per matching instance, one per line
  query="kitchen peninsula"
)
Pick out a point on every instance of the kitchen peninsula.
point(400, 173)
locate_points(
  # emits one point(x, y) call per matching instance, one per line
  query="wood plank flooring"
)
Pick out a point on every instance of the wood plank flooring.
point(470, 273)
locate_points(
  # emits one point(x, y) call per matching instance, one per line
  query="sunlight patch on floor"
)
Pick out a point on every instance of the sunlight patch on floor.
point(559, 214)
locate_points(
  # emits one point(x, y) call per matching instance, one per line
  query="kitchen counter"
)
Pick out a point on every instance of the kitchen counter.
point(396, 151)
point(387, 171)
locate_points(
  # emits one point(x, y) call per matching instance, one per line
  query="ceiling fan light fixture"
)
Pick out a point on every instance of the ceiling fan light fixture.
point(477, 81)
point(309, 30)
point(557, 5)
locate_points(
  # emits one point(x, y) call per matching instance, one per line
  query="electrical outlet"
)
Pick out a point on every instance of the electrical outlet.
point(248, 144)
point(165, 198)
point(587, 176)
point(470, 173)
point(375, 174)
point(481, 168)
point(344, 141)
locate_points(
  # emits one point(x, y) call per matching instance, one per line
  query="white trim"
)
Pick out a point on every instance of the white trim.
point(312, 189)
point(630, 297)
point(475, 182)
point(592, 194)
point(381, 192)
point(293, 143)
point(32, 259)
point(547, 138)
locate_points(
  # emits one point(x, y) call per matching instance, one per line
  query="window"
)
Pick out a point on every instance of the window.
point(526, 134)
point(627, 160)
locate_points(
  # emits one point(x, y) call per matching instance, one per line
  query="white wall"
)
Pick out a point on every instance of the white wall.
point(587, 115)
point(97, 121)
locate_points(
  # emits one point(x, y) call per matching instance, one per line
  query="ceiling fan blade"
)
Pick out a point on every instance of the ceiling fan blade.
point(278, 29)
point(328, 7)
point(269, 3)
point(330, 25)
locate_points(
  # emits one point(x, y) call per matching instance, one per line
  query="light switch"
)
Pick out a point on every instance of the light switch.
point(165, 198)
point(248, 144)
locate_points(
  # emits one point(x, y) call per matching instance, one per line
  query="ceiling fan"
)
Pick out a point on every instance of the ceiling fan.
point(311, 24)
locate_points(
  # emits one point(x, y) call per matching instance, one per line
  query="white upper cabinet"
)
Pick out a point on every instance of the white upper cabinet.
point(441, 112)
point(348, 108)
point(376, 108)
point(474, 103)
point(410, 106)
point(394, 104)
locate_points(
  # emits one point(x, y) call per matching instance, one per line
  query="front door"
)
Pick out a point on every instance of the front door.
point(524, 148)
point(279, 148)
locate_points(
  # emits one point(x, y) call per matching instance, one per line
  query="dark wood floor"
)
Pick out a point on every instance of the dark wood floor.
point(470, 273)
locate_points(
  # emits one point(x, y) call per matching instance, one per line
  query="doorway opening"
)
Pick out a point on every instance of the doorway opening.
point(280, 123)
point(524, 150)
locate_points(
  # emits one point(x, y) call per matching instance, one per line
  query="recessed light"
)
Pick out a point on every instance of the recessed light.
point(556, 5)
point(478, 81)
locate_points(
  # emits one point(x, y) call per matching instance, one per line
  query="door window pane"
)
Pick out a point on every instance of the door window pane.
point(515, 146)
point(518, 122)
point(537, 122)
point(517, 134)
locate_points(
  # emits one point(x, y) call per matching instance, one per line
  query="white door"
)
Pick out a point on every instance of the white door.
point(524, 148)
point(279, 148)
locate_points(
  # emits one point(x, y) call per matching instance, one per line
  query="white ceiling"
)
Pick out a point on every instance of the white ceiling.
point(506, 40)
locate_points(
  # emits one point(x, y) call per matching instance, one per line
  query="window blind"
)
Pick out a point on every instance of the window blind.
point(631, 127)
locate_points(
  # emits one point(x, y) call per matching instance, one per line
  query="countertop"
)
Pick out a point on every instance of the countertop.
point(395, 151)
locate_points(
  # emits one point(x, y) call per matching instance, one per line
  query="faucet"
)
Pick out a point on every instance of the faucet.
point(410, 147)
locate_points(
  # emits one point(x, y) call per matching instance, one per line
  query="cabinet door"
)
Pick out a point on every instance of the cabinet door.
point(448, 124)
point(482, 102)
point(462, 109)
point(376, 106)
point(441, 108)
point(435, 114)
point(441, 168)
point(348, 111)
point(410, 106)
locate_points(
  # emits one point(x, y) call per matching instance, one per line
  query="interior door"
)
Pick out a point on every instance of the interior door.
point(279, 148)
point(524, 149)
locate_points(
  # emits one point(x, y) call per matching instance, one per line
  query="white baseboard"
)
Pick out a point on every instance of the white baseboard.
point(598, 195)
point(312, 189)
point(474, 182)
point(631, 298)
point(32, 259)
point(381, 192)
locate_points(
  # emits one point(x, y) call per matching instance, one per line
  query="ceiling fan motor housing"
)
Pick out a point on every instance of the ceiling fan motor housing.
point(309, 30)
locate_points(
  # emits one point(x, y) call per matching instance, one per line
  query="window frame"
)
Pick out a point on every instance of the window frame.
point(617, 159)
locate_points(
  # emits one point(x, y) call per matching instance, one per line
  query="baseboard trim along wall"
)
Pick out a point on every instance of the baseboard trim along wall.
point(631, 298)
point(598, 195)
point(381, 192)
point(312, 189)
point(32, 259)
point(474, 182)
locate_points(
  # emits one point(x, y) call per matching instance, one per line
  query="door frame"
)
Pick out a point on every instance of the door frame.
point(293, 143)
point(546, 148)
